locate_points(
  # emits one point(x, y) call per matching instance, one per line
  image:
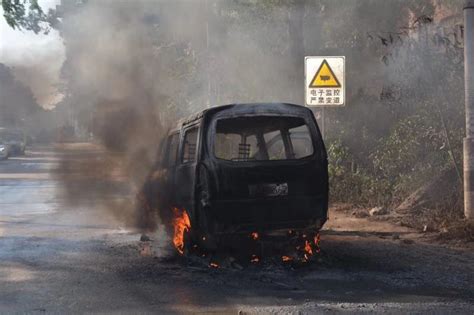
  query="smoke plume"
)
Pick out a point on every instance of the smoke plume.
point(133, 68)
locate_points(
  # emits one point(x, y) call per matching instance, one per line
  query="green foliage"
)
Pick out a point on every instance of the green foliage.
point(416, 144)
point(348, 183)
point(28, 15)
point(17, 103)
point(415, 149)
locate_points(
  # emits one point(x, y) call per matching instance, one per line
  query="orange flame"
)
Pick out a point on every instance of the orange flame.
point(286, 258)
point(317, 240)
point(254, 236)
point(307, 248)
point(254, 259)
point(181, 224)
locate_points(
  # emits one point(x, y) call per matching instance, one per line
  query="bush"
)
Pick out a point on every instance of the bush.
point(414, 151)
point(348, 183)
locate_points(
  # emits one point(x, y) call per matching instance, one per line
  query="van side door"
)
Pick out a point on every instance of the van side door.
point(186, 168)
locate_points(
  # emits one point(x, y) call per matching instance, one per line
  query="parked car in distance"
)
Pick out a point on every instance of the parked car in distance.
point(15, 139)
point(242, 168)
point(3, 151)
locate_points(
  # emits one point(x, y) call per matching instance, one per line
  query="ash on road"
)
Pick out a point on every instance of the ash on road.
point(60, 259)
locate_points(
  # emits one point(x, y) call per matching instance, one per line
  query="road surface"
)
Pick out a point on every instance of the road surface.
point(61, 257)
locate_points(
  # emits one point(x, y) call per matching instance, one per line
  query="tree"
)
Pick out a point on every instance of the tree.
point(28, 15)
point(17, 103)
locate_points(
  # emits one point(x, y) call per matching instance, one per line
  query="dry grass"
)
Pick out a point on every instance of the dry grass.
point(458, 230)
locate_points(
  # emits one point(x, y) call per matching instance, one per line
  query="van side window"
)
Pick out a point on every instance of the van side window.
point(189, 145)
point(173, 149)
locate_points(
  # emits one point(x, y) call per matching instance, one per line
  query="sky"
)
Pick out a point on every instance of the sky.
point(36, 59)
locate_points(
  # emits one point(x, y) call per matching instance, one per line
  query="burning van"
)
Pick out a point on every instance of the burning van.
point(243, 168)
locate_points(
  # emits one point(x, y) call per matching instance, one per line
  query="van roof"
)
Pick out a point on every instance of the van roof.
point(246, 108)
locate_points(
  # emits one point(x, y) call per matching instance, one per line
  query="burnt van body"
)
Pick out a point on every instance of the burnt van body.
point(246, 167)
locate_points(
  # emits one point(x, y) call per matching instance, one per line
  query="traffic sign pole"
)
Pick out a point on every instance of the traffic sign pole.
point(469, 99)
point(323, 123)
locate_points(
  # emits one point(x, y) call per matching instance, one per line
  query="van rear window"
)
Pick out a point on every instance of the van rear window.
point(262, 138)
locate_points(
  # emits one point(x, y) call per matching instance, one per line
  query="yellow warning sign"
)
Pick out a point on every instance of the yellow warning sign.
point(324, 77)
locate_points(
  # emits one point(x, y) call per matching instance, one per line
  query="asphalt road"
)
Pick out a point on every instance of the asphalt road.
point(58, 257)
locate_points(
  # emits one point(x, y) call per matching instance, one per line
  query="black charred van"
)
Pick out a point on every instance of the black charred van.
point(243, 168)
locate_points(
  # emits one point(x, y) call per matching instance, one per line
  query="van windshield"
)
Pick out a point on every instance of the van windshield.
point(262, 138)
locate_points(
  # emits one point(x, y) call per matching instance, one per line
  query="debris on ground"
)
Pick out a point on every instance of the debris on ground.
point(145, 249)
point(378, 211)
point(460, 230)
point(428, 228)
point(439, 192)
point(145, 238)
point(360, 213)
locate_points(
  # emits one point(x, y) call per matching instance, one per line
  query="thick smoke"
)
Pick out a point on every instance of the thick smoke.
point(112, 80)
point(133, 68)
